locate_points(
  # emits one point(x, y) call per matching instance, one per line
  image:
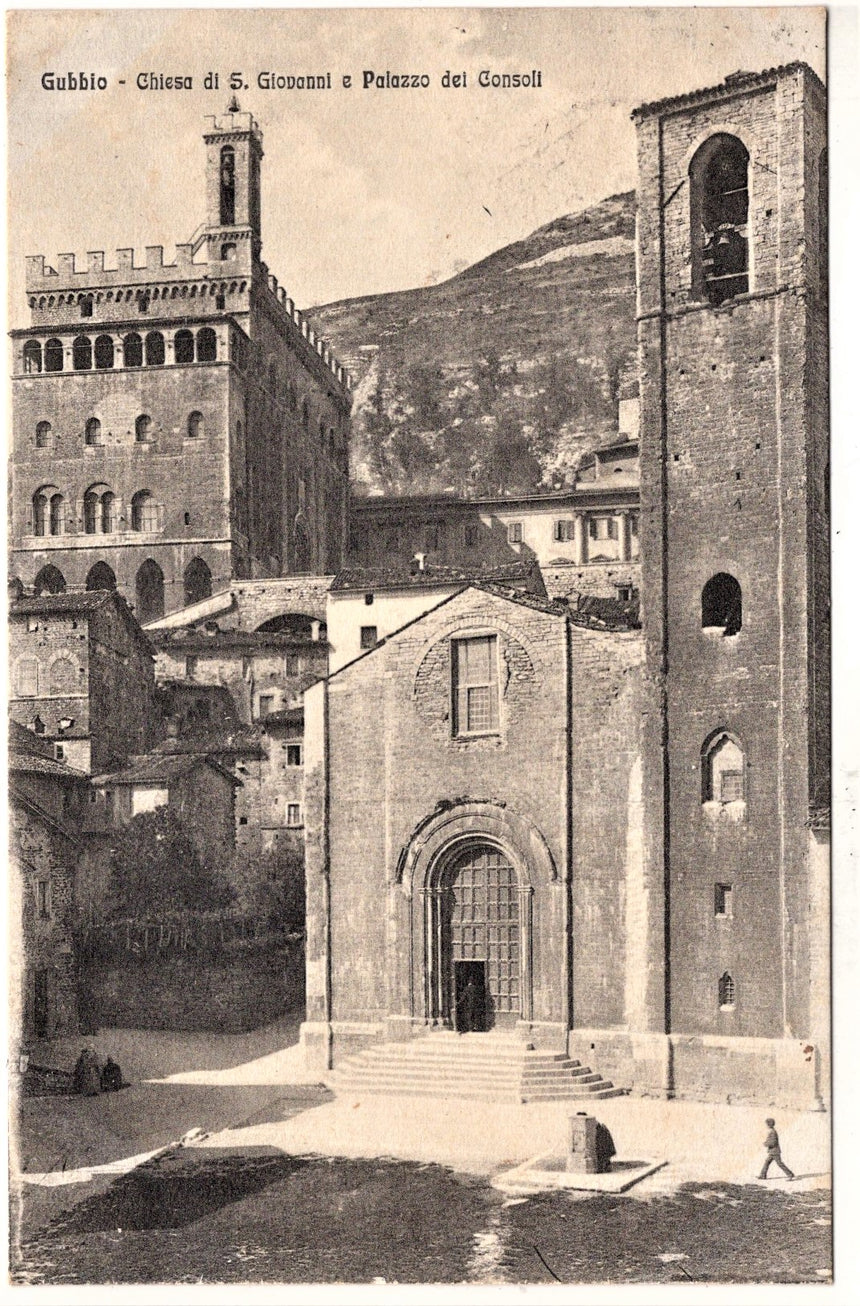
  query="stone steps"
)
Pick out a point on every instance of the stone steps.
point(477, 1067)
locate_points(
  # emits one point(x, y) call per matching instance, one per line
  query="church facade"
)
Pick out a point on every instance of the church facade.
point(617, 839)
point(176, 426)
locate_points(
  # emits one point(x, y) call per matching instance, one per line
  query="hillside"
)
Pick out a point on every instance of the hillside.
point(501, 377)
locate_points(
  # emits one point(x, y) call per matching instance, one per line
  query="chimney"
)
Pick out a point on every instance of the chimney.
point(419, 560)
point(315, 631)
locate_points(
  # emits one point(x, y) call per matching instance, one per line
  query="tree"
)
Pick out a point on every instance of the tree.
point(155, 868)
point(280, 888)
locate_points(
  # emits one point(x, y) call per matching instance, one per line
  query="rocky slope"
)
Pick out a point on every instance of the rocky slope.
point(501, 377)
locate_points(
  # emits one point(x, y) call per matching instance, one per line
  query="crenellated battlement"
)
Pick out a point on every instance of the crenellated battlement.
point(303, 327)
point(40, 276)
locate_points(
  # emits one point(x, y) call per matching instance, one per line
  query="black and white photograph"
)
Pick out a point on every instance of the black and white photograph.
point(419, 659)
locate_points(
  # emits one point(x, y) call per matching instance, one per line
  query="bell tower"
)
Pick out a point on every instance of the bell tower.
point(732, 324)
point(234, 151)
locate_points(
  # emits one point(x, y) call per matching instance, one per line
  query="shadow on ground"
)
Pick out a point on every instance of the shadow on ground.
point(227, 1218)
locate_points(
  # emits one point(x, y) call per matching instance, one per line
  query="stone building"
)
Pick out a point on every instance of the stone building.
point(47, 800)
point(622, 837)
point(82, 677)
point(585, 537)
point(176, 425)
point(461, 777)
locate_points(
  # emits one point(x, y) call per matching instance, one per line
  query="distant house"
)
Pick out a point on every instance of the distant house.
point(46, 799)
point(199, 790)
point(82, 677)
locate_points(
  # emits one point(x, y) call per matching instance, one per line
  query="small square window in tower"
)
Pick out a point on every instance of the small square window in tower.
point(475, 686)
point(294, 754)
point(723, 900)
point(369, 637)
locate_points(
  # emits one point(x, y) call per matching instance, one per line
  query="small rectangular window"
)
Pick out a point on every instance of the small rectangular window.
point(220, 303)
point(190, 666)
point(294, 754)
point(731, 786)
point(291, 664)
point(42, 899)
point(562, 531)
point(722, 900)
point(431, 538)
point(59, 753)
point(267, 703)
point(475, 685)
point(368, 637)
point(515, 532)
point(294, 814)
point(470, 534)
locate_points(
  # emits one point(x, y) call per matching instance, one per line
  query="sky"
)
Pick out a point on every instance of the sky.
point(364, 190)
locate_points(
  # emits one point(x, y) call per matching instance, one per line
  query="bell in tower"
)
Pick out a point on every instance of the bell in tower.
point(234, 150)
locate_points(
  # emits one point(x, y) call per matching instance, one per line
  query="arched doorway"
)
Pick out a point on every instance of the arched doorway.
point(101, 577)
point(50, 580)
point(480, 939)
point(477, 938)
point(149, 592)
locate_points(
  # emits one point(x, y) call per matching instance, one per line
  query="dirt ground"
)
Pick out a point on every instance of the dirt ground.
point(191, 1216)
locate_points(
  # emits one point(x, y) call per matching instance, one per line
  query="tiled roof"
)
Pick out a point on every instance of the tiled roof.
point(740, 81)
point(203, 743)
point(79, 602)
point(407, 576)
point(32, 764)
point(156, 768)
point(523, 597)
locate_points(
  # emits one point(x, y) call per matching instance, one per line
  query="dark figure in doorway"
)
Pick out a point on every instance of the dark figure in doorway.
point(771, 1144)
point(605, 1149)
point(468, 1007)
point(111, 1077)
point(87, 1073)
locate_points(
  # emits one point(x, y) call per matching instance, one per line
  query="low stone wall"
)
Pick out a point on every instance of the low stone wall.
point(773, 1072)
point(229, 994)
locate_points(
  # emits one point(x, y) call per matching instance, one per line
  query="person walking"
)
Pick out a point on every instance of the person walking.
point(771, 1144)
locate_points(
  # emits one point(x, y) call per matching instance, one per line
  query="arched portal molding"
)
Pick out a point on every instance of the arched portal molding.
point(455, 825)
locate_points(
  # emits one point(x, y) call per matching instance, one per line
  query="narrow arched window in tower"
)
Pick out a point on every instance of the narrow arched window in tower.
point(726, 991)
point(154, 349)
point(143, 428)
point(56, 514)
point(40, 513)
point(32, 356)
point(719, 209)
point(54, 356)
point(722, 604)
point(82, 354)
point(198, 581)
point(144, 512)
point(723, 769)
point(101, 577)
point(43, 435)
point(228, 186)
point(183, 347)
point(62, 676)
point(108, 519)
point(50, 580)
point(93, 431)
point(149, 592)
point(195, 425)
point(104, 352)
point(207, 345)
point(132, 350)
